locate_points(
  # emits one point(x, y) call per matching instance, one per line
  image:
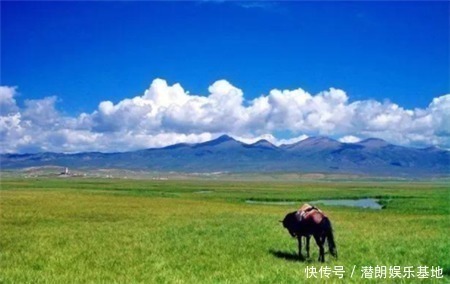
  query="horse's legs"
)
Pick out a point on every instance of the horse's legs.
point(319, 242)
point(299, 238)
point(307, 245)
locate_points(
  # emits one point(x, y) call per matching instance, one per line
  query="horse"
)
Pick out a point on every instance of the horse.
point(311, 222)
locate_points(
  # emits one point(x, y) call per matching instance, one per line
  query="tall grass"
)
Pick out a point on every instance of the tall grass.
point(76, 230)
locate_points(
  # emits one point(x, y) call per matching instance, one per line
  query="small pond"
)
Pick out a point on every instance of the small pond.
point(271, 202)
point(360, 203)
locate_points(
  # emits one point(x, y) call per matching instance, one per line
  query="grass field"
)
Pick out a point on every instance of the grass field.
point(80, 230)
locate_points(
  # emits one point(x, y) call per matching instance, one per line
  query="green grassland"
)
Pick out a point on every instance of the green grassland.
point(101, 231)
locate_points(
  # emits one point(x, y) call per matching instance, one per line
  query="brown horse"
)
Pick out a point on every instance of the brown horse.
point(307, 222)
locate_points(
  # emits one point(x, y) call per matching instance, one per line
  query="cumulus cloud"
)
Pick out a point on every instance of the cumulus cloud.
point(7, 100)
point(166, 114)
point(349, 139)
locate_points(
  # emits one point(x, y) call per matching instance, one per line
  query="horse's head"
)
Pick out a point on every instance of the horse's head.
point(290, 222)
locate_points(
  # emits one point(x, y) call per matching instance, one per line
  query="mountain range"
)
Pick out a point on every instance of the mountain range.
point(372, 157)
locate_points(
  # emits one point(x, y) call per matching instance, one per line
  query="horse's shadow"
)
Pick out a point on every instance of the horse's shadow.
point(289, 256)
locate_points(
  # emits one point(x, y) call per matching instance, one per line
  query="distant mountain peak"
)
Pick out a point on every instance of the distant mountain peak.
point(224, 138)
point(318, 140)
point(373, 142)
point(219, 140)
point(433, 149)
point(263, 143)
point(225, 154)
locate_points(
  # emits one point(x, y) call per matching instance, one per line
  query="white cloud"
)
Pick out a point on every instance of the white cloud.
point(253, 139)
point(349, 139)
point(7, 101)
point(42, 112)
point(291, 140)
point(167, 114)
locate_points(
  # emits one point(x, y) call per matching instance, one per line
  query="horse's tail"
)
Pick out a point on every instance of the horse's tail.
point(330, 237)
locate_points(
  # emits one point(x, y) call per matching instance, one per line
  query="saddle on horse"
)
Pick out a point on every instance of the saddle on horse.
point(307, 211)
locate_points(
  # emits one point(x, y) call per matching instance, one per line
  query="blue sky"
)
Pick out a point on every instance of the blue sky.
point(84, 53)
point(108, 50)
